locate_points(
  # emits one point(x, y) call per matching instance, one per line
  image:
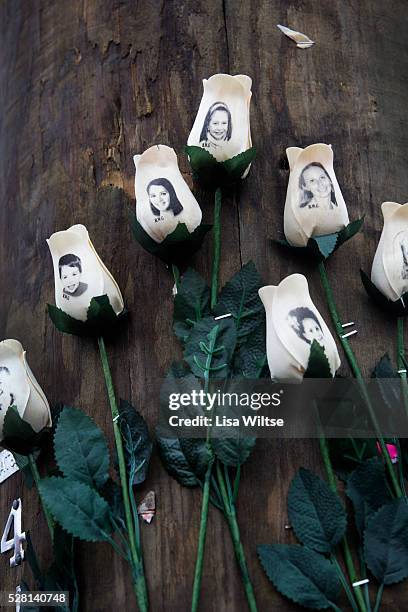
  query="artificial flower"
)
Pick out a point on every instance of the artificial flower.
point(292, 324)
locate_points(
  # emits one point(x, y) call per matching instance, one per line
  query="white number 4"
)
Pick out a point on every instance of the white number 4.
point(16, 542)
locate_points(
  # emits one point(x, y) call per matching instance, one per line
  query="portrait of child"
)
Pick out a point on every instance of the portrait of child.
point(70, 272)
point(316, 188)
point(217, 127)
point(306, 325)
point(404, 252)
point(6, 397)
point(163, 199)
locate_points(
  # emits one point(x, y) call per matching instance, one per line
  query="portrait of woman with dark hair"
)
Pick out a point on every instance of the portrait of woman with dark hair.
point(70, 272)
point(306, 325)
point(163, 198)
point(6, 397)
point(217, 127)
point(316, 188)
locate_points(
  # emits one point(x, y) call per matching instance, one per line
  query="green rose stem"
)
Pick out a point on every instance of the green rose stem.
point(357, 373)
point(401, 362)
point(36, 477)
point(207, 479)
point(217, 247)
point(137, 561)
point(230, 514)
point(324, 449)
point(176, 274)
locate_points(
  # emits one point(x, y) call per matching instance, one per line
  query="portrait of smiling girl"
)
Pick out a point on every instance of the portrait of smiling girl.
point(316, 188)
point(163, 199)
point(217, 127)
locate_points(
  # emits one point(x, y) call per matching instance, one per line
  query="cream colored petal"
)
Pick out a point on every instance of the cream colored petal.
point(37, 412)
point(297, 322)
point(317, 207)
point(292, 154)
point(229, 133)
point(281, 364)
point(159, 164)
point(302, 41)
point(390, 265)
point(14, 386)
point(110, 286)
point(78, 275)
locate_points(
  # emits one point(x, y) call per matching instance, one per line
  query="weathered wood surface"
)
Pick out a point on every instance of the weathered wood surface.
point(86, 84)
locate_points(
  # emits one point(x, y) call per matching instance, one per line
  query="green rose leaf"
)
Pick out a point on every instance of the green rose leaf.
point(80, 448)
point(137, 442)
point(240, 298)
point(213, 174)
point(78, 508)
point(210, 346)
point(191, 303)
point(315, 512)
point(18, 435)
point(397, 308)
point(112, 493)
point(319, 248)
point(250, 357)
point(367, 488)
point(101, 319)
point(197, 454)
point(176, 247)
point(347, 453)
point(386, 542)
point(233, 451)
point(318, 365)
point(301, 575)
point(175, 462)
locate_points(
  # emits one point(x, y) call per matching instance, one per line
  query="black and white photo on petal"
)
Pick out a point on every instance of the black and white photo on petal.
point(163, 198)
point(70, 273)
point(403, 243)
point(217, 127)
point(306, 325)
point(316, 188)
point(6, 395)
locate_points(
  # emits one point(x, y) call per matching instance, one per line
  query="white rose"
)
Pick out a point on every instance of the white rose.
point(79, 273)
point(292, 323)
point(19, 388)
point(390, 266)
point(163, 198)
point(222, 124)
point(314, 203)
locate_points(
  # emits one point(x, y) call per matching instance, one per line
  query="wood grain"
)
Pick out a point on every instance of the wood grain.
point(86, 84)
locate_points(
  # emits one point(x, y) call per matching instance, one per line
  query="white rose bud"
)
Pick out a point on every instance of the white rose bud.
point(292, 323)
point(19, 388)
point(163, 198)
point(79, 273)
point(222, 124)
point(390, 266)
point(314, 203)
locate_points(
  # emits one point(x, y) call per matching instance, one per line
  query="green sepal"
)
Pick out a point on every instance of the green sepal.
point(301, 575)
point(101, 319)
point(318, 365)
point(19, 436)
point(211, 173)
point(399, 308)
point(319, 248)
point(177, 247)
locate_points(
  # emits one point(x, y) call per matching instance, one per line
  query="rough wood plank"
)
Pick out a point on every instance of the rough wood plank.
point(84, 85)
